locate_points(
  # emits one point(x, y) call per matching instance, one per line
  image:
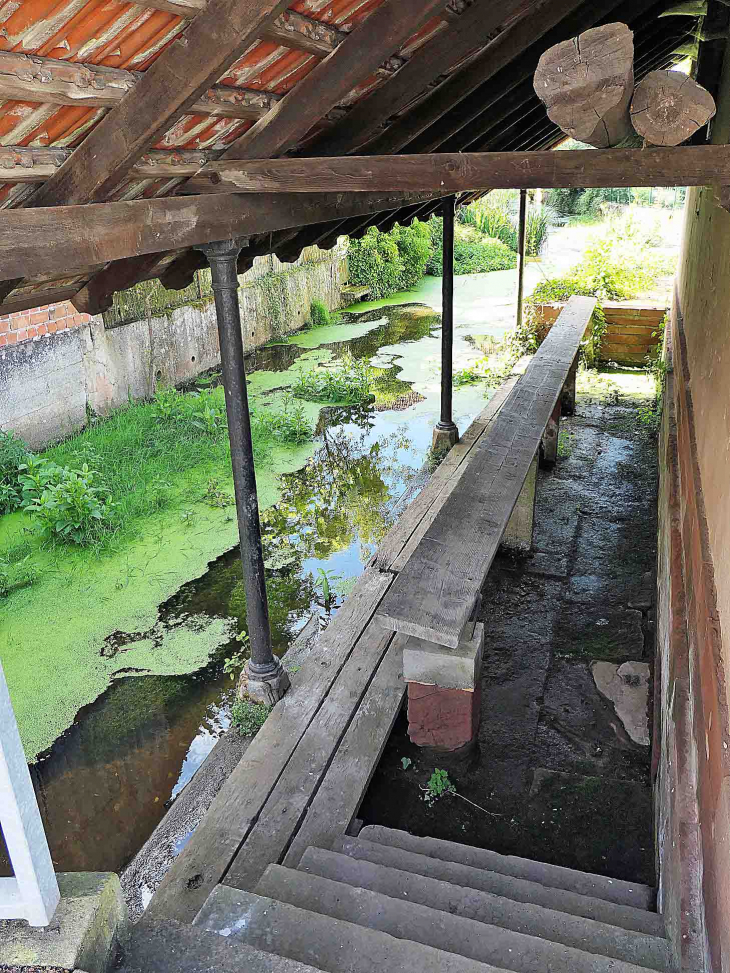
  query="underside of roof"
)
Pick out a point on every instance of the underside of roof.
point(365, 77)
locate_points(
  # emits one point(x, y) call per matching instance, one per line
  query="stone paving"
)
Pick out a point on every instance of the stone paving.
point(561, 770)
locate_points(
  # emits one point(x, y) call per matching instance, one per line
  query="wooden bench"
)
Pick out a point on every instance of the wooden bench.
point(436, 592)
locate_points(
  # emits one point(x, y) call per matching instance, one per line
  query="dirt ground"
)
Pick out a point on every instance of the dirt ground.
point(556, 772)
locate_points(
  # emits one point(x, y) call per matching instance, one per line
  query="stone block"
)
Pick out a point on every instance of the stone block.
point(518, 533)
point(443, 719)
point(444, 439)
point(90, 920)
point(431, 664)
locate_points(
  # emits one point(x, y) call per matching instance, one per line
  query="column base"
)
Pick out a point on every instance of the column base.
point(444, 437)
point(264, 690)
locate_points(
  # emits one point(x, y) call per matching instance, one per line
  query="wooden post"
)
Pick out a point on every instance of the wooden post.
point(446, 434)
point(521, 235)
point(264, 678)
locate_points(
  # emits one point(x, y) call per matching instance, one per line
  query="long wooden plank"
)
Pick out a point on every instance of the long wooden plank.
point(441, 482)
point(53, 82)
point(474, 28)
point(207, 855)
point(20, 163)
point(687, 165)
point(340, 795)
point(382, 34)
point(278, 821)
point(62, 239)
point(179, 77)
point(434, 594)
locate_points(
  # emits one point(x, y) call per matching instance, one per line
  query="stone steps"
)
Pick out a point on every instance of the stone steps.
point(389, 901)
point(517, 889)
point(590, 935)
point(553, 876)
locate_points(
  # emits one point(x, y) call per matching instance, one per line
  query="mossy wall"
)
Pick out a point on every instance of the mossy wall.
point(153, 337)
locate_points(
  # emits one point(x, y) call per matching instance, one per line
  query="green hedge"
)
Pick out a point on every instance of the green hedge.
point(475, 257)
point(390, 262)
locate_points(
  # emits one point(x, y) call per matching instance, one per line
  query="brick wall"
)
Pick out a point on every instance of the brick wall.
point(26, 325)
point(631, 330)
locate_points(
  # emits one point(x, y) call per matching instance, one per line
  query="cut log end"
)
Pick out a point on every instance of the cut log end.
point(587, 83)
point(668, 107)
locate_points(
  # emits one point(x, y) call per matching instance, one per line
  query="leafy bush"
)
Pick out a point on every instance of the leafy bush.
point(319, 314)
point(71, 508)
point(13, 454)
point(288, 425)
point(476, 256)
point(537, 226)
point(390, 262)
point(349, 381)
point(202, 411)
point(248, 717)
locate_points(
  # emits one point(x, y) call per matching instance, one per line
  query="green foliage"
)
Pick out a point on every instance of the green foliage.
point(390, 262)
point(248, 717)
point(288, 425)
point(234, 663)
point(214, 496)
point(537, 226)
point(71, 508)
point(13, 454)
point(326, 582)
point(319, 315)
point(439, 785)
point(15, 575)
point(349, 381)
point(202, 410)
point(475, 256)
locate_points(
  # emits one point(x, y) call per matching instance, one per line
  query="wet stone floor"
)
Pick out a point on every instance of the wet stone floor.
point(561, 770)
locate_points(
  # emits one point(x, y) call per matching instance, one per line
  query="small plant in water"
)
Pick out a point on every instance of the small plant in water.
point(214, 496)
point(234, 663)
point(248, 717)
point(350, 381)
point(73, 509)
point(325, 582)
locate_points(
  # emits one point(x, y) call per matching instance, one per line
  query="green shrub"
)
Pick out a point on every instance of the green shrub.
point(476, 256)
point(319, 314)
point(390, 262)
point(287, 425)
point(248, 717)
point(537, 226)
point(71, 508)
point(349, 382)
point(13, 454)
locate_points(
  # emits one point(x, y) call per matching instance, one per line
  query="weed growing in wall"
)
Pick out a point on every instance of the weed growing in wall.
point(248, 717)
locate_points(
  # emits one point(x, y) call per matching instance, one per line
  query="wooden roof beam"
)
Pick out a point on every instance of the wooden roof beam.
point(19, 163)
point(453, 172)
point(70, 239)
point(53, 82)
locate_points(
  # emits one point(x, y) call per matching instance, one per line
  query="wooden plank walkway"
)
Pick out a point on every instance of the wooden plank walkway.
point(304, 776)
point(436, 590)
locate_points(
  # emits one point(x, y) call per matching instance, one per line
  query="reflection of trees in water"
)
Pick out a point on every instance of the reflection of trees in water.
point(341, 497)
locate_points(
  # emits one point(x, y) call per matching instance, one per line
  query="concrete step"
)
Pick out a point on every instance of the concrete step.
point(412, 922)
point(167, 946)
point(554, 876)
point(588, 935)
point(518, 889)
point(327, 944)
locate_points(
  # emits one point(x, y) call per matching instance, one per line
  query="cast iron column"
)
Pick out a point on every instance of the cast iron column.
point(521, 255)
point(267, 680)
point(446, 432)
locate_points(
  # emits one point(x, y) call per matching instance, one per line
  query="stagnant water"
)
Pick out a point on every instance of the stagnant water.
point(106, 783)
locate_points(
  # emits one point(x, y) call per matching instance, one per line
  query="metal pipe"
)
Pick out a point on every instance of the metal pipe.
point(222, 257)
point(446, 423)
point(521, 255)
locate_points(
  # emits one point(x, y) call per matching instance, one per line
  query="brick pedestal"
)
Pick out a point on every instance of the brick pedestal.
point(443, 719)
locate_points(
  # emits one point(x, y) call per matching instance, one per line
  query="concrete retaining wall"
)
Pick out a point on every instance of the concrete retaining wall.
point(631, 330)
point(48, 385)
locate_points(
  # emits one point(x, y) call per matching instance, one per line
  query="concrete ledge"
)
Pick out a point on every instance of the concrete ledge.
point(430, 664)
point(90, 920)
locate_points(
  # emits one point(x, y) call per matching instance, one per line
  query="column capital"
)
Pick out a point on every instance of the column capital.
point(222, 248)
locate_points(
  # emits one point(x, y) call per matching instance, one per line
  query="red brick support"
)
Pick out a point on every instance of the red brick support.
point(444, 719)
point(39, 321)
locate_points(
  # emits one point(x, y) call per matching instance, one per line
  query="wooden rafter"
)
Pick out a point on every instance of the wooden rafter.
point(474, 28)
point(52, 82)
point(462, 171)
point(385, 31)
point(20, 163)
point(179, 77)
